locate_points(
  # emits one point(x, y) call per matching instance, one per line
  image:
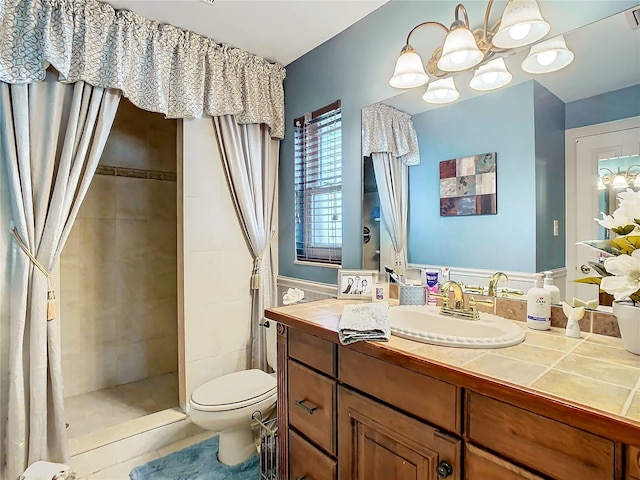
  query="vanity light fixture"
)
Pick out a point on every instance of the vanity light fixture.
point(620, 179)
point(463, 49)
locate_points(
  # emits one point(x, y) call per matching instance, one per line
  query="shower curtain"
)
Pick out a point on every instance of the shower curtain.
point(52, 138)
point(389, 138)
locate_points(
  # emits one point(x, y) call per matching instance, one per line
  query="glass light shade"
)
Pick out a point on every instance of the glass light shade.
point(619, 181)
point(459, 51)
point(409, 71)
point(491, 76)
point(548, 56)
point(521, 24)
point(441, 91)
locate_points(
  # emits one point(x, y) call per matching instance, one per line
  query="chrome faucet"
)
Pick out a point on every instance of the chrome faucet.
point(493, 283)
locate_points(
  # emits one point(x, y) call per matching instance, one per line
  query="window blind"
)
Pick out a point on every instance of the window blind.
point(318, 185)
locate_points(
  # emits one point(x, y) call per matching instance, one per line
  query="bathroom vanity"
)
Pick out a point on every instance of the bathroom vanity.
point(406, 410)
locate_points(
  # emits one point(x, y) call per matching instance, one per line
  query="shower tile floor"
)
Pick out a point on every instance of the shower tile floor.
point(95, 411)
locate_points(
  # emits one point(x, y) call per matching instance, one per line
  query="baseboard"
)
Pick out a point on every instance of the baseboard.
point(101, 450)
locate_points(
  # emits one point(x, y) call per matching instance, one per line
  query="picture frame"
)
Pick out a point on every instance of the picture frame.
point(468, 185)
point(355, 284)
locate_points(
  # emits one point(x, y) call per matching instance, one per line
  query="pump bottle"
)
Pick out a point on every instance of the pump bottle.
point(539, 306)
point(553, 290)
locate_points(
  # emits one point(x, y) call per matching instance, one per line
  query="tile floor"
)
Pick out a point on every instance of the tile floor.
point(94, 411)
point(121, 470)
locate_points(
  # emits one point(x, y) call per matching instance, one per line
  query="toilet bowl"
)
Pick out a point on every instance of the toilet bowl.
point(225, 405)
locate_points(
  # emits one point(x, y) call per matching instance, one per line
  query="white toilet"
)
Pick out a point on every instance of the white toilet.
point(225, 405)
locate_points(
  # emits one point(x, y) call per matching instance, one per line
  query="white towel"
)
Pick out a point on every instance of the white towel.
point(366, 321)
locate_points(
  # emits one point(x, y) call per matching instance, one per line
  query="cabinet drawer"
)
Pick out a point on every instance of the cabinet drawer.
point(432, 400)
point(480, 464)
point(312, 405)
point(545, 445)
point(633, 461)
point(308, 462)
point(316, 352)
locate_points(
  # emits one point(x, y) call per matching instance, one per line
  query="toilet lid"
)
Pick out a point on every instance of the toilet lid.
point(235, 390)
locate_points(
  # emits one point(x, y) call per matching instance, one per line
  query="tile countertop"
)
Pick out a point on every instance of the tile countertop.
point(594, 373)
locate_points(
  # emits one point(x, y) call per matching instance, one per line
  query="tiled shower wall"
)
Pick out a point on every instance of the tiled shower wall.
point(118, 269)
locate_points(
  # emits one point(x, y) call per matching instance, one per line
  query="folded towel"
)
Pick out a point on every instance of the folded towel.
point(368, 321)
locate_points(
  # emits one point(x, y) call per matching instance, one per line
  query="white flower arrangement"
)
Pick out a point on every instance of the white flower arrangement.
point(620, 273)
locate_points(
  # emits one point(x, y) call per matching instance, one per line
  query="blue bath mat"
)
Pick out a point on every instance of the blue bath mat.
point(197, 462)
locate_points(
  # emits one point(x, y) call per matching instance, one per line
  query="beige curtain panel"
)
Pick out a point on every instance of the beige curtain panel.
point(158, 67)
point(52, 138)
point(250, 159)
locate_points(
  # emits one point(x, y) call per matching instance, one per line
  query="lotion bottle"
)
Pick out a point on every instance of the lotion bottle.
point(553, 290)
point(539, 306)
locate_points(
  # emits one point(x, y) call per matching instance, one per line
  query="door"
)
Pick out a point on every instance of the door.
point(590, 152)
point(379, 443)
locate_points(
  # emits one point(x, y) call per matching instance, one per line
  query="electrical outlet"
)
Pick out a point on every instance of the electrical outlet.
point(555, 228)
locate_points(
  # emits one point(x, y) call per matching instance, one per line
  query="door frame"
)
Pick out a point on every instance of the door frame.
point(571, 188)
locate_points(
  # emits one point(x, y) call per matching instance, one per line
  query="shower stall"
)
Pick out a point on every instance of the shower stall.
point(118, 274)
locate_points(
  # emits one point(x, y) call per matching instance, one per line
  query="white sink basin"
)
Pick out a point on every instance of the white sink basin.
point(425, 324)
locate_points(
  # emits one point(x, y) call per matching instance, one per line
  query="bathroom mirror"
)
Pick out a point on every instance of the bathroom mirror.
point(516, 122)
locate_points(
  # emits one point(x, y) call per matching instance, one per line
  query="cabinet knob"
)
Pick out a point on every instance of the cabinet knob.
point(310, 410)
point(444, 469)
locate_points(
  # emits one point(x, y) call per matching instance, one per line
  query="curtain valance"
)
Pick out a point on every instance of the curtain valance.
point(159, 67)
point(387, 130)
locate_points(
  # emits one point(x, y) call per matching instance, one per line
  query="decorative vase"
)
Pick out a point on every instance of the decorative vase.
point(628, 317)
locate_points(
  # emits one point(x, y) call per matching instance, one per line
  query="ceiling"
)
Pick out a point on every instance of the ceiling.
point(277, 30)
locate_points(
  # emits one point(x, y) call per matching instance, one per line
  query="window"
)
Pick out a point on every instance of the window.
point(318, 185)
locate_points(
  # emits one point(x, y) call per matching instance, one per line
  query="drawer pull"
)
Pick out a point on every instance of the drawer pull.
point(301, 478)
point(310, 410)
point(444, 469)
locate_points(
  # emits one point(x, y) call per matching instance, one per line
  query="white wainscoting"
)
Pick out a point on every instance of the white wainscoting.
point(312, 290)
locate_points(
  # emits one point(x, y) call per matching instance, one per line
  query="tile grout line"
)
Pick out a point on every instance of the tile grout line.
point(557, 361)
point(627, 403)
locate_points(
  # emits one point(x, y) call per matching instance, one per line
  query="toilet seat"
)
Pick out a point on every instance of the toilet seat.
point(234, 391)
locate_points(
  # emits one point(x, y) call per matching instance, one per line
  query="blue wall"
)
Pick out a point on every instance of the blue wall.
point(550, 179)
point(504, 123)
point(355, 66)
point(610, 106)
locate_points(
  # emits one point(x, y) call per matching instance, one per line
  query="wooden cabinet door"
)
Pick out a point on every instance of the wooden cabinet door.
point(376, 442)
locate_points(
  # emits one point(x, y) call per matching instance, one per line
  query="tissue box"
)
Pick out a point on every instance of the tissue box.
point(412, 294)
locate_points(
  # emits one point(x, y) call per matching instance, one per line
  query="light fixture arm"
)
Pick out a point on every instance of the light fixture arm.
point(424, 24)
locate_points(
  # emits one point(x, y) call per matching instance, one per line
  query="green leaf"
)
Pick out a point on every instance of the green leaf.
point(627, 229)
point(590, 280)
point(598, 267)
point(626, 244)
point(635, 297)
point(601, 246)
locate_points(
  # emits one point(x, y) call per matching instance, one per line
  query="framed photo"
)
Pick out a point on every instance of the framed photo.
point(468, 185)
point(355, 284)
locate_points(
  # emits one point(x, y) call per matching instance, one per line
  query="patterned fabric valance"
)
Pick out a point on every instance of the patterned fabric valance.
point(387, 130)
point(159, 67)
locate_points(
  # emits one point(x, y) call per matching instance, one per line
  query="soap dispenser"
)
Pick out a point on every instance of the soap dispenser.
point(553, 290)
point(539, 306)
